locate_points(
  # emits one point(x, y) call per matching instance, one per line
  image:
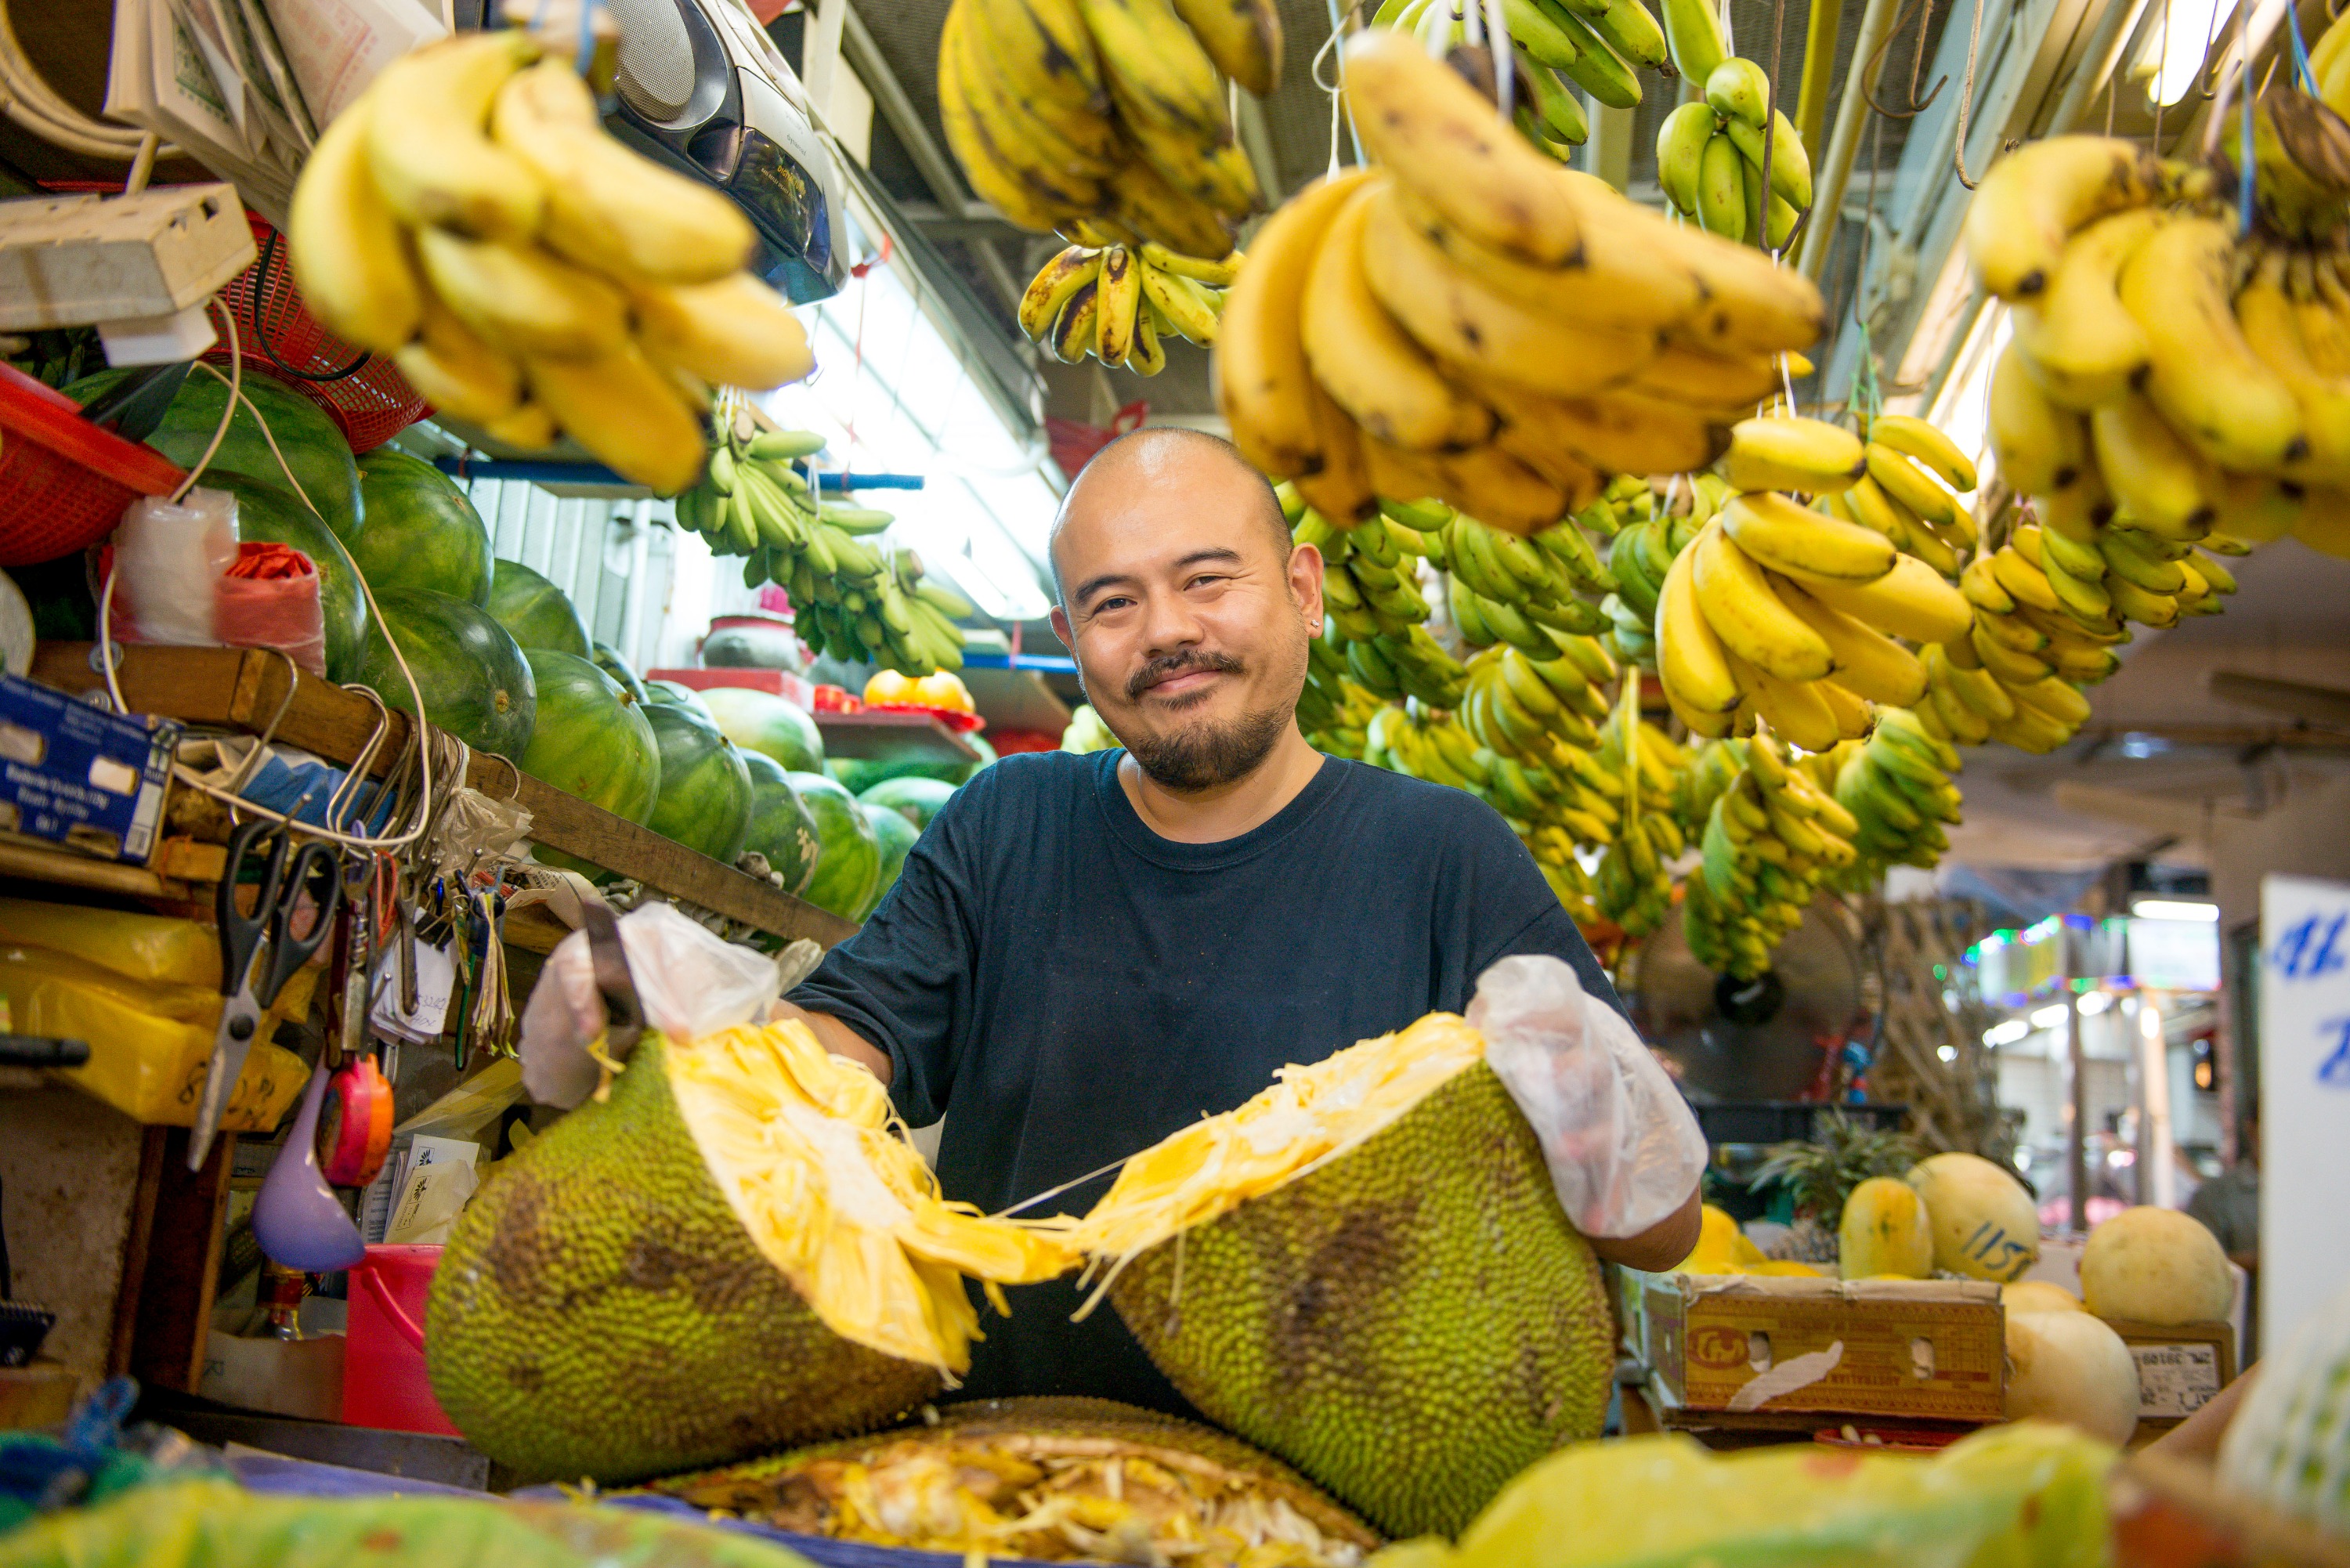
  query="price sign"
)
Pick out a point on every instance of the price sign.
point(2305, 1098)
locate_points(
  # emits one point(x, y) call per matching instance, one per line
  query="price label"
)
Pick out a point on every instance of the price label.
point(2305, 1041)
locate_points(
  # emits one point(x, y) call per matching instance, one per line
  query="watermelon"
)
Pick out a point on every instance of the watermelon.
point(705, 791)
point(781, 828)
point(659, 692)
point(420, 529)
point(607, 660)
point(895, 836)
point(860, 774)
point(915, 799)
point(590, 741)
point(763, 722)
point(266, 514)
point(849, 861)
point(476, 682)
point(313, 444)
point(535, 611)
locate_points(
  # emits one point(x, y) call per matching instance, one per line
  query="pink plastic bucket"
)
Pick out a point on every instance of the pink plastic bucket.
point(383, 1359)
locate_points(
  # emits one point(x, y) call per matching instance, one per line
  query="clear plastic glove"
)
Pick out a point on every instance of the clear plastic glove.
point(168, 561)
point(688, 981)
point(1624, 1150)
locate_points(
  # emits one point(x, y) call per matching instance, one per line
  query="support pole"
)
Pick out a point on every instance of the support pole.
point(1852, 113)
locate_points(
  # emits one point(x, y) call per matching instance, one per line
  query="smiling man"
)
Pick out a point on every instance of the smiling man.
point(1086, 953)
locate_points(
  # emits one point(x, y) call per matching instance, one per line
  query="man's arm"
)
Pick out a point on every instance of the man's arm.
point(839, 1039)
point(1661, 1245)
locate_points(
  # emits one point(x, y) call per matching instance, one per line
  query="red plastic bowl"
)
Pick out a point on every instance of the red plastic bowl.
point(64, 481)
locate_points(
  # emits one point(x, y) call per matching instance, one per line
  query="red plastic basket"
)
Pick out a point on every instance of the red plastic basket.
point(64, 481)
point(362, 392)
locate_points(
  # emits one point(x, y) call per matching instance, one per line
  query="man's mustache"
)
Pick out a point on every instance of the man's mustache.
point(1160, 670)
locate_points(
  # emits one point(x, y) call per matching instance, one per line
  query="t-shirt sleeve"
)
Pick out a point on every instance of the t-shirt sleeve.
point(1518, 912)
point(904, 981)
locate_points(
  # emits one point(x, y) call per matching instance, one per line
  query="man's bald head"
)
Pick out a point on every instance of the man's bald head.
point(1170, 455)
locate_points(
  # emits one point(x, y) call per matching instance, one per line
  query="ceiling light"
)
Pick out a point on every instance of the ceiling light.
point(1947, 1053)
point(2181, 41)
point(2006, 1034)
point(2094, 1002)
point(2049, 1017)
point(2175, 909)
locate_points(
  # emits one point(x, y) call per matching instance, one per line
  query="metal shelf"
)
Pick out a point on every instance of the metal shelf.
point(892, 738)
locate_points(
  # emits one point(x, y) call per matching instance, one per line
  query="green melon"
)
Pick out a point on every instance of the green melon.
point(607, 660)
point(782, 828)
point(705, 791)
point(850, 862)
point(916, 799)
point(535, 611)
point(472, 676)
point(860, 774)
point(678, 692)
point(591, 740)
point(420, 530)
point(312, 442)
point(266, 514)
point(765, 722)
point(895, 836)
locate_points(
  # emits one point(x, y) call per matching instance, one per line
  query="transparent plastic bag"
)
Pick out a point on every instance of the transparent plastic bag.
point(167, 558)
point(1623, 1149)
point(690, 982)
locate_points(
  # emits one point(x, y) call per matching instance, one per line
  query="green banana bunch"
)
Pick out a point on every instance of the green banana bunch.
point(854, 600)
point(1596, 45)
point(1772, 836)
point(1898, 785)
point(1545, 773)
point(1641, 553)
point(1634, 883)
point(1417, 741)
point(1709, 156)
point(1374, 612)
point(1525, 591)
point(1333, 709)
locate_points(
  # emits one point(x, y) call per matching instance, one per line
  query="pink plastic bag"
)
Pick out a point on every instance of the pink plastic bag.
point(270, 599)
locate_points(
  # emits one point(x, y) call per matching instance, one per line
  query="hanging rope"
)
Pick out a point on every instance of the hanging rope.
point(1967, 96)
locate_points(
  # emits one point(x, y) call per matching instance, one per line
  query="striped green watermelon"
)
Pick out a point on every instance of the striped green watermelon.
point(781, 826)
point(705, 791)
point(607, 660)
point(591, 740)
point(659, 692)
point(535, 611)
point(420, 531)
point(476, 682)
point(895, 836)
point(266, 514)
point(763, 722)
point(850, 862)
point(860, 773)
point(916, 799)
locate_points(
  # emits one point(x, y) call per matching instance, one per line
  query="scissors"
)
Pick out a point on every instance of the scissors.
point(251, 982)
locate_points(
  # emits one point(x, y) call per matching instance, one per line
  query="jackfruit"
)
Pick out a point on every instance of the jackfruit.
point(1045, 1479)
point(1365, 1270)
point(1885, 1231)
point(735, 1252)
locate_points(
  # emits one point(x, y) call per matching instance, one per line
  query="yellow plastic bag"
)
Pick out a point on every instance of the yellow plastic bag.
point(137, 947)
point(2025, 1496)
point(150, 1044)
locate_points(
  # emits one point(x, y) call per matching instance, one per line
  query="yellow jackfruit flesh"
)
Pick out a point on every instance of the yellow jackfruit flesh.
point(732, 1254)
point(1365, 1270)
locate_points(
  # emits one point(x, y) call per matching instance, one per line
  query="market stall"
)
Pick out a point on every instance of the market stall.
point(1511, 782)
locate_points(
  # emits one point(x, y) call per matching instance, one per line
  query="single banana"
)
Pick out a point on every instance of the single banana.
point(1926, 442)
point(427, 116)
point(1615, 431)
point(1241, 36)
point(2157, 476)
point(1117, 300)
point(2032, 201)
point(737, 332)
point(2085, 336)
point(1782, 536)
point(1737, 89)
point(1727, 385)
point(2204, 377)
point(2041, 447)
point(2271, 327)
point(1722, 190)
point(1791, 168)
point(1912, 600)
point(1690, 658)
point(1782, 452)
point(1681, 150)
point(622, 409)
point(1615, 282)
point(1049, 290)
point(1905, 482)
point(1693, 33)
point(1075, 328)
point(455, 371)
point(1596, 70)
point(1264, 384)
point(1873, 509)
point(1867, 664)
point(1181, 301)
point(347, 251)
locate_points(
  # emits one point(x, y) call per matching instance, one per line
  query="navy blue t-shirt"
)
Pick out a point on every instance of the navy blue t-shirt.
point(1066, 988)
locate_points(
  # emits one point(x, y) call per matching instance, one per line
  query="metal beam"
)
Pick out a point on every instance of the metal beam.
point(975, 221)
point(2327, 706)
point(930, 160)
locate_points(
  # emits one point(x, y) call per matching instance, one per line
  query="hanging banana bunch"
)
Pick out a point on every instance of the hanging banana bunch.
point(1333, 711)
point(1642, 552)
point(853, 598)
point(1903, 495)
point(1772, 835)
point(1121, 303)
point(1634, 882)
point(1710, 153)
point(1374, 614)
point(1558, 45)
point(1502, 588)
point(1112, 111)
point(1899, 788)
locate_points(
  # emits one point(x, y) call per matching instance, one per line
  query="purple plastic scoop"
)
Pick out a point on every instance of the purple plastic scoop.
point(297, 1218)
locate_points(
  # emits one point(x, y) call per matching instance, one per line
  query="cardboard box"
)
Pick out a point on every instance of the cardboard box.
point(2181, 1367)
point(1931, 1349)
point(79, 776)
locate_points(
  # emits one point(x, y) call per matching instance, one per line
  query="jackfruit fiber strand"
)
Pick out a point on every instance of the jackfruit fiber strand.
point(1310, 1115)
point(2029, 1495)
point(813, 1161)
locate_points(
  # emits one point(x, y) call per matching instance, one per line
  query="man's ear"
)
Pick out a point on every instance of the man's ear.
point(1061, 630)
point(1305, 586)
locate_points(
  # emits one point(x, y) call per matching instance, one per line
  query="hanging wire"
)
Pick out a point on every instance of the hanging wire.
point(1771, 132)
point(1505, 62)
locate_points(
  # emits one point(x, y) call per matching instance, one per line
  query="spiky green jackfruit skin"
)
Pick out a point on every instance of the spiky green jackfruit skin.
point(1410, 1325)
point(600, 1310)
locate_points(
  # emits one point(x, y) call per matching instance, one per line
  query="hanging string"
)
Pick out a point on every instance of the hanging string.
point(2245, 169)
point(2300, 50)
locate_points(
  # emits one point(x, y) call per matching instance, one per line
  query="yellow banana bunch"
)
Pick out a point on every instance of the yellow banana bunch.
point(1121, 303)
point(1710, 157)
point(1912, 467)
point(856, 599)
point(1110, 112)
point(1772, 836)
point(469, 218)
point(2014, 676)
point(1469, 322)
point(1899, 787)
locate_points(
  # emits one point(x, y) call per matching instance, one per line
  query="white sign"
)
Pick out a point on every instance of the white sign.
point(2305, 1013)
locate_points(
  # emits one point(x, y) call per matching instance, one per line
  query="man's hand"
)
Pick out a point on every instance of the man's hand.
point(842, 1041)
point(1661, 1245)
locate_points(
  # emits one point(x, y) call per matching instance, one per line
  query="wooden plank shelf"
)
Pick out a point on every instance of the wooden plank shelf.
point(244, 688)
point(892, 738)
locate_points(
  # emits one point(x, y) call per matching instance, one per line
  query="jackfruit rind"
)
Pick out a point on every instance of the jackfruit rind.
point(1410, 1324)
point(600, 1312)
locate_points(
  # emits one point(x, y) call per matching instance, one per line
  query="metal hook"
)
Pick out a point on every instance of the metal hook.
point(1876, 69)
point(243, 774)
point(1966, 98)
point(362, 768)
